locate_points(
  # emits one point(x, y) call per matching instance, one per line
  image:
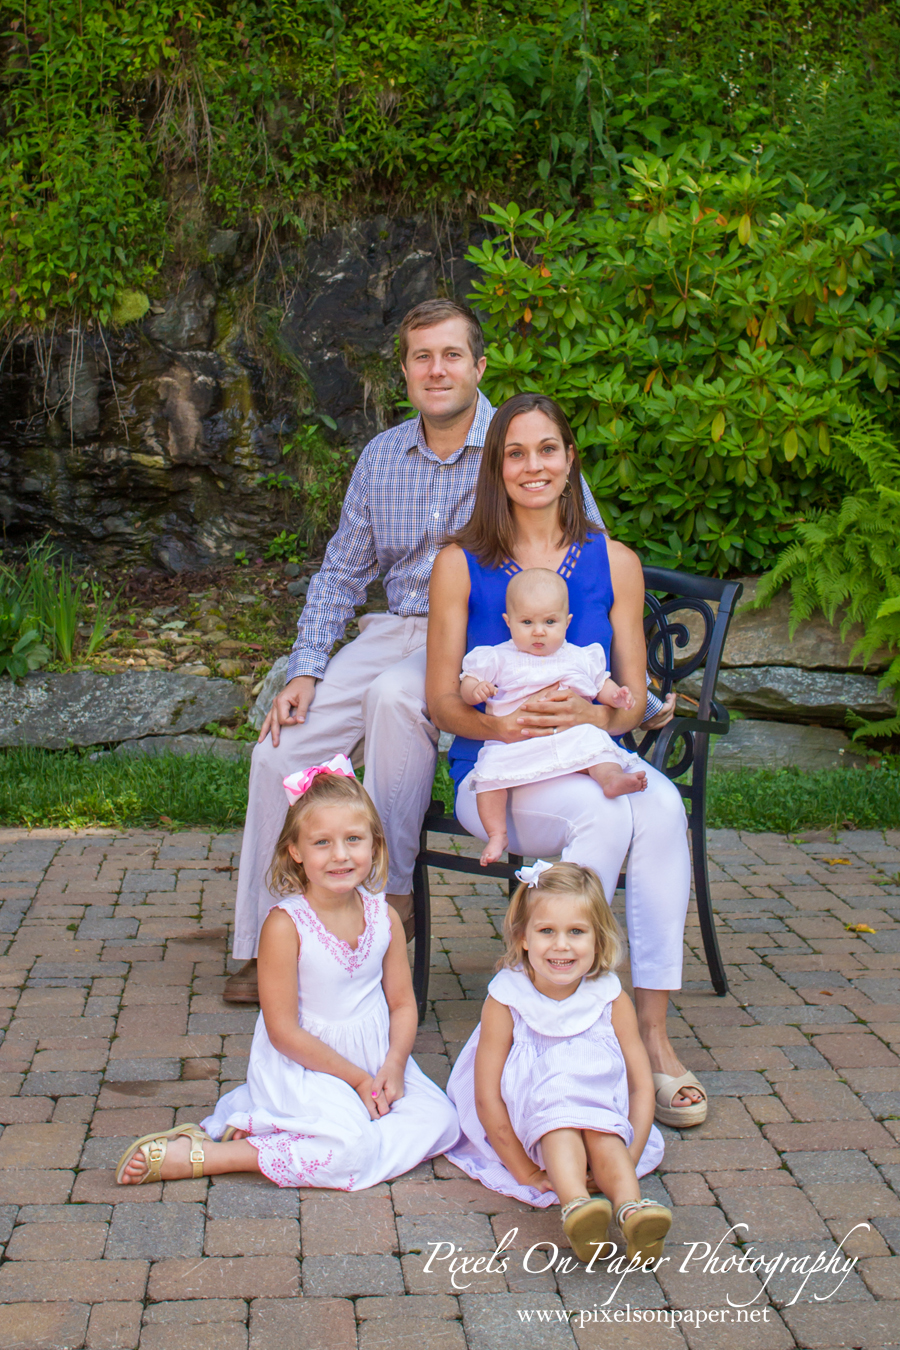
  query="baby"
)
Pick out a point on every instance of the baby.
point(506, 676)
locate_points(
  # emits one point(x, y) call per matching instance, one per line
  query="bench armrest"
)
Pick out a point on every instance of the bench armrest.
point(681, 726)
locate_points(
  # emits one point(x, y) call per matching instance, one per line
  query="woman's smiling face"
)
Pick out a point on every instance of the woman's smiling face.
point(536, 461)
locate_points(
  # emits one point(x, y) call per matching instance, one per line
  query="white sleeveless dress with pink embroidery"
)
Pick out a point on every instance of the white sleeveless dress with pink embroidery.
point(310, 1128)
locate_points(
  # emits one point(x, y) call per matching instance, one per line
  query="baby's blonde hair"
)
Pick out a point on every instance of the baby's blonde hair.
point(286, 876)
point(536, 579)
point(564, 878)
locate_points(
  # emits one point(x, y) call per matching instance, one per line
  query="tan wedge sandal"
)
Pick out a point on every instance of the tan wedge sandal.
point(153, 1148)
point(585, 1221)
point(644, 1225)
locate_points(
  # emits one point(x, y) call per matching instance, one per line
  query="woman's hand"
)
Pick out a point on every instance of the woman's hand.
point(552, 709)
point(388, 1085)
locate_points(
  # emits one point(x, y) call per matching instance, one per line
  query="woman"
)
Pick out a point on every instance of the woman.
point(529, 513)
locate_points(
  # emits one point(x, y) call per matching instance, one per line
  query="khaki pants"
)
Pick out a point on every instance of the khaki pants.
point(370, 705)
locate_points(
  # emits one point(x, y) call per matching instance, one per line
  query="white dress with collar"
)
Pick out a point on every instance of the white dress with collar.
point(565, 1069)
point(311, 1128)
point(518, 675)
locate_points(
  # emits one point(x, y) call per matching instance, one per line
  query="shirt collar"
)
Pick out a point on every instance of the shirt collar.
point(414, 438)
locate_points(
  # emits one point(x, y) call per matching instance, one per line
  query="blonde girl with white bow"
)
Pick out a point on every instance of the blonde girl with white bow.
point(555, 1083)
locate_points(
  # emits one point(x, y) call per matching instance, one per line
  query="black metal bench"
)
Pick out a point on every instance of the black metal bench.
point(668, 594)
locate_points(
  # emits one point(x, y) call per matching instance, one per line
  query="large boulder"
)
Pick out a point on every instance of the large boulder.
point(781, 745)
point(763, 638)
point(86, 708)
point(794, 695)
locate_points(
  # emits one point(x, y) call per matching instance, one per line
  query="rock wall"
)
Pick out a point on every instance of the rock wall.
point(146, 443)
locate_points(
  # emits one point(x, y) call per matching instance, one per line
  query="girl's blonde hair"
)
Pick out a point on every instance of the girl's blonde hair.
point(286, 876)
point(564, 878)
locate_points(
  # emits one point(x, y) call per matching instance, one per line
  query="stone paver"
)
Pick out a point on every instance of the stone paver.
point(113, 950)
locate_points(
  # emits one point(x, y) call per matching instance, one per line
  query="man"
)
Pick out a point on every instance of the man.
point(412, 485)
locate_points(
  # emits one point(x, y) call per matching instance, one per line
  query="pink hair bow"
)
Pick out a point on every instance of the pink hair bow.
point(297, 783)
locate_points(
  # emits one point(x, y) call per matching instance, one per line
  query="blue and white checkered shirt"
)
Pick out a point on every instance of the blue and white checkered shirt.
point(401, 504)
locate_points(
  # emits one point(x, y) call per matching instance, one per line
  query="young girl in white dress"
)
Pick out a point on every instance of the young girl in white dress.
point(506, 676)
point(332, 1097)
point(555, 1080)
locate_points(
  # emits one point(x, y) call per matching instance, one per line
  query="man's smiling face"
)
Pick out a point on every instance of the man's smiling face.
point(441, 374)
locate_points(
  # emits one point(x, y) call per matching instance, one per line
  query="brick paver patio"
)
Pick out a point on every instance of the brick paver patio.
point(111, 989)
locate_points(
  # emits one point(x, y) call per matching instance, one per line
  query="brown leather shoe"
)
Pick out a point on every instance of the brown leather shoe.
point(242, 986)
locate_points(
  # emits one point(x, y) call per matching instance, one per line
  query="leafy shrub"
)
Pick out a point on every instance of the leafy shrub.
point(846, 558)
point(112, 113)
point(21, 648)
point(705, 343)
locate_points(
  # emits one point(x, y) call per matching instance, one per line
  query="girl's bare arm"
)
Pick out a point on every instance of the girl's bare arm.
point(494, 1045)
point(641, 1097)
point(279, 950)
point(398, 991)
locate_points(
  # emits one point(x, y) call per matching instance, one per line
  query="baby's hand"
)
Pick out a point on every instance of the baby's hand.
point(389, 1086)
point(483, 691)
point(616, 695)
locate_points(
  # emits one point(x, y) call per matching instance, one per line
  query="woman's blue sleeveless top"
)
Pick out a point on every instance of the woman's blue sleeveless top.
point(585, 571)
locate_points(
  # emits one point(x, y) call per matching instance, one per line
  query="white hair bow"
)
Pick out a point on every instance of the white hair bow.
point(532, 875)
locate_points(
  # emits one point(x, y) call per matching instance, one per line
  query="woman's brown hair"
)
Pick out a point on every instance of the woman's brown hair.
point(490, 533)
point(564, 878)
point(287, 877)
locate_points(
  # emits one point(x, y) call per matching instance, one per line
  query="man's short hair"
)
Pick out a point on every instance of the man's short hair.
point(432, 312)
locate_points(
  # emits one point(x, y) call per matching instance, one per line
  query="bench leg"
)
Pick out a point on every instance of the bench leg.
point(515, 861)
point(422, 920)
point(704, 906)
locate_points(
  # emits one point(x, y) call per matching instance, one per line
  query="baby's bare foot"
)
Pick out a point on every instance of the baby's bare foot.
point(493, 849)
point(625, 782)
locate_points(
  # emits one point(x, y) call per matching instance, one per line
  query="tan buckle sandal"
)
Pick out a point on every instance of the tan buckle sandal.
point(585, 1221)
point(644, 1225)
point(153, 1148)
point(667, 1087)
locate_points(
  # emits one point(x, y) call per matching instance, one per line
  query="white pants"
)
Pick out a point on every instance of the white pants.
point(572, 817)
point(370, 705)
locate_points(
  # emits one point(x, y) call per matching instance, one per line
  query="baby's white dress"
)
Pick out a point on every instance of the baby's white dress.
point(311, 1128)
point(565, 1069)
point(517, 676)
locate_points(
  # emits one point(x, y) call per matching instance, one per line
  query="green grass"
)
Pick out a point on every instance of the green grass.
point(66, 788)
point(787, 800)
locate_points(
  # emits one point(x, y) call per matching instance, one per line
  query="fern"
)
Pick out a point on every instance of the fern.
point(846, 558)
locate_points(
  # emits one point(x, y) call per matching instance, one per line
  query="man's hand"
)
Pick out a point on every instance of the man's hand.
point(290, 707)
point(664, 716)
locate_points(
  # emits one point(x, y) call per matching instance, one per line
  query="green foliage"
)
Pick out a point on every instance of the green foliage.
point(846, 558)
point(317, 484)
point(57, 602)
point(286, 548)
point(259, 108)
point(787, 800)
point(21, 648)
point(705, 343)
